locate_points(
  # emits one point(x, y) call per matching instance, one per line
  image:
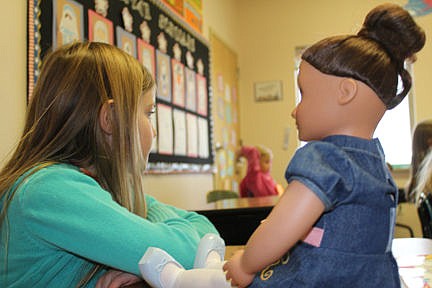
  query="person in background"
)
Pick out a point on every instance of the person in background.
point(73, 208)
point(424, 178)
point(258, 182)
point(421, 144)
point(333, 226)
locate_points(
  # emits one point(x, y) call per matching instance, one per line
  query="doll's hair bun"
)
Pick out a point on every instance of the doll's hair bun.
point(395, 30)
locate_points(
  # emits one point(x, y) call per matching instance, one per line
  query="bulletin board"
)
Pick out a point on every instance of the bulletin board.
point(176, 54)
point(225, 110)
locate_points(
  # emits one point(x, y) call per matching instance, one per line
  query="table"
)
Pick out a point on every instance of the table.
point(236, 219)
point(414, 258)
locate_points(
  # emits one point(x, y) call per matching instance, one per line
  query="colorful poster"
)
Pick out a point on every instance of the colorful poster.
point(202, 94)
point(100, 28)
point(126, 41)
point(178, 83)
point(176, 5)
point(193, 14)
point(419, 7)
point(163, 76)
point(68, 22)
point(146, 55)
point(191, 99)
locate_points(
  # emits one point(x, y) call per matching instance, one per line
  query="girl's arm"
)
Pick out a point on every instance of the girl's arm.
point(74, 214)
point(290, 221)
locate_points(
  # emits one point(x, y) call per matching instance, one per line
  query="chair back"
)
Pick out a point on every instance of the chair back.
point(425, 214)
point(215, 195)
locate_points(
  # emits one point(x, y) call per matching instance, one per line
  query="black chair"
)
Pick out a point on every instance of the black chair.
point(406, 227)
point(425, 214)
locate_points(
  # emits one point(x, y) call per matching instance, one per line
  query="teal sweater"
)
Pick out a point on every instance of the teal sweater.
point(60, 218)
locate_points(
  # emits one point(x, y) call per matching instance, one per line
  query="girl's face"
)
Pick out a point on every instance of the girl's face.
point(315, 113)
point(146, 108)
point(265, 164)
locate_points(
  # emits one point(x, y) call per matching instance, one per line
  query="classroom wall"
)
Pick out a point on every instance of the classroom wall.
point(12, 73)
point(263, 33)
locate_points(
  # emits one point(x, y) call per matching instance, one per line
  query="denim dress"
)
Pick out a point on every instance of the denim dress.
point(350, 244)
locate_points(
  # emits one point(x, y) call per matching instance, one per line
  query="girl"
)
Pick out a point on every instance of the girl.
point(258, 181)
point(337, 215)
point(424, 178)
point(71, 196)
point(421, 144)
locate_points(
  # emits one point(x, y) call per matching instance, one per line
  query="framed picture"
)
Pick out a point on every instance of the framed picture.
point(126, 41)
point(100, 28)
point(146, 55)
point(163, 76)
point(68, 22)
point(202, 101)
point(268, 91)
point(178, 83)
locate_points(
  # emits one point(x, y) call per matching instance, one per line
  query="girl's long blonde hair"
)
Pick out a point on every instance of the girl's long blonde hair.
point(421, 143)
point(424, 178)
point(62, 123)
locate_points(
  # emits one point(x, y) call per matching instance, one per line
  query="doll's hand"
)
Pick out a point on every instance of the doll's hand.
point(115, 279)
point(235, 273)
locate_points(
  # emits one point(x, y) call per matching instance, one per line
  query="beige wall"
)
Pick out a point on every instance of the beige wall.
point(12, 72)
point(263, 33)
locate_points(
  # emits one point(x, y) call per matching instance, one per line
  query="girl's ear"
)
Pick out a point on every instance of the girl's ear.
point(105, 117)
point(347, 90)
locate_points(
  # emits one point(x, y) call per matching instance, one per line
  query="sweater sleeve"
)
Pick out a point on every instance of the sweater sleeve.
point(70, 211)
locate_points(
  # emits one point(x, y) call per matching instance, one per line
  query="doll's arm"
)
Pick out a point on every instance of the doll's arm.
point(290, 220)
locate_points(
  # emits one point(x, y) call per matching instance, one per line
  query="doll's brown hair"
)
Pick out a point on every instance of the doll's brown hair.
point(376, 55)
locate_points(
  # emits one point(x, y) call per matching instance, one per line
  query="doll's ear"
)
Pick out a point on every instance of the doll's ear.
point(347, 90)
point(105, 117)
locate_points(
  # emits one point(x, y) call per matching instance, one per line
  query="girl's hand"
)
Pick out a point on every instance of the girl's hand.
point(116, 278)
point(235, 273)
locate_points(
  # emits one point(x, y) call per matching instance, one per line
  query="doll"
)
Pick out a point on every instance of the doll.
point(333, 226)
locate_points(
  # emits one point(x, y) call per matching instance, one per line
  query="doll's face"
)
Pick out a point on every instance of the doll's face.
point(316, 114)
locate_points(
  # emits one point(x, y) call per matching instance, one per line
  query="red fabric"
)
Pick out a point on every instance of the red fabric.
point(256, 183)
